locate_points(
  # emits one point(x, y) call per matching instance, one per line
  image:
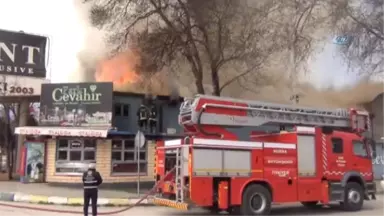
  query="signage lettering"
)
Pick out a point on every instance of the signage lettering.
point(340, 161)
point(280, 161)
point(378, 160)
point(77, 105)
point(280, 151)
point(30, 131)
point(29, 51)
point(63, 132)
point(22, 54)
point(14, 69)
point(7, 88)
point(280, 173)
point(76, 94)
point(76, 143)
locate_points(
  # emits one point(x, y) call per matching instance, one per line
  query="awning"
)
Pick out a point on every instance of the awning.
point(62, 131)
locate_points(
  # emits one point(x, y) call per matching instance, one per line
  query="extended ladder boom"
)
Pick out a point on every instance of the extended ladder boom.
point(212, 110)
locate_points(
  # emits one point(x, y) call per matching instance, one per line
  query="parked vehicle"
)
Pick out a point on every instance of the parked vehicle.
point(241, 156)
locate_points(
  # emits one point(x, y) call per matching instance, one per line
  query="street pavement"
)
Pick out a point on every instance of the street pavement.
point(42, 189)
point(370, 208)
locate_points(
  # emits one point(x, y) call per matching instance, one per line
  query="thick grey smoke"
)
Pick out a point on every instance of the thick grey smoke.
point(93, 47)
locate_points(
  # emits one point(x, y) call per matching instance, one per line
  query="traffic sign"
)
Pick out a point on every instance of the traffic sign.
point(139, 139)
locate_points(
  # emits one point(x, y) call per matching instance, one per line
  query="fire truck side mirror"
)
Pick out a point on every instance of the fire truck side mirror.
point(371, 145)
point(327, 130)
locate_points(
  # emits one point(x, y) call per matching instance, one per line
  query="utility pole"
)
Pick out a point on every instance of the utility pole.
point(292, 51)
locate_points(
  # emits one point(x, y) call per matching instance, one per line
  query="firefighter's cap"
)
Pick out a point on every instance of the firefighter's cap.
point(91, 166)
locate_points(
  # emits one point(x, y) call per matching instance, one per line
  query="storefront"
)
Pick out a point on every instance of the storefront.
point(67, 157)
point(75, 127)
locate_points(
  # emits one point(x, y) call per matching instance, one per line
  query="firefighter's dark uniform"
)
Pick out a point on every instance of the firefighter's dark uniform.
point(153, 119)
point(142, 115)
point(91, 181)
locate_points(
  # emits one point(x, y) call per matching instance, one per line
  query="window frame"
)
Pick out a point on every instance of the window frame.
point(342, 145)
point(115, 106)
point(364, 146)
point(122, 150)
point(74, 164)
point(122, 107)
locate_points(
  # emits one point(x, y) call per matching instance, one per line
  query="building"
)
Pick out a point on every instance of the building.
point(72, 135)
point(375, 107)
point(69, 149)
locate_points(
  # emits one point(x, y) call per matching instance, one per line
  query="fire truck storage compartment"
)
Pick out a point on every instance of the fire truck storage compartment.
point(306, 154)
point(221, 163)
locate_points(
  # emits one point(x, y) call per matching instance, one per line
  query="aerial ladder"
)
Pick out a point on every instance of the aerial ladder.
point(213, 110)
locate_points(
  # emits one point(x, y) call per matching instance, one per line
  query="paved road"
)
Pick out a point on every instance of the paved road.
point(370, 208)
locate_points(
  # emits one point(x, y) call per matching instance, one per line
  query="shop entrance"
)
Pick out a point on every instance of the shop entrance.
point(19, 114)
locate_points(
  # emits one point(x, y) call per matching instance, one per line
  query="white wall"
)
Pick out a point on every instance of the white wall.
point(378, 162)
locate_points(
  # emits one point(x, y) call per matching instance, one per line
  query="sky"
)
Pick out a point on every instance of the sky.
point(58, 19)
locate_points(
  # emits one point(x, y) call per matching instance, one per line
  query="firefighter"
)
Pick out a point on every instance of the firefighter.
point(142, 115)
point(153, 118)
point(91, 181)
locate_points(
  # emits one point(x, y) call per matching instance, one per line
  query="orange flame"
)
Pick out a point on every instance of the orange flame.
point(119, 69)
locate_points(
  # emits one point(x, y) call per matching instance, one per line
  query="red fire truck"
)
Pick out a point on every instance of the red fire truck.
point(241, 156)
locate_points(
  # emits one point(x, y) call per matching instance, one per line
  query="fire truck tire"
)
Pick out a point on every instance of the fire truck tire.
point(353, 197)
point(257, 200)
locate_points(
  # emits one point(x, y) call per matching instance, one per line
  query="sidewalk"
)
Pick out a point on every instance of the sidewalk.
point(46, 194)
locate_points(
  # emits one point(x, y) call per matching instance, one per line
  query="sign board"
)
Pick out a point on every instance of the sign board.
point(23, 54)
point(62, 131)
point(34, 162)
point(20, 86)
point(139, 139)
point(76, 104)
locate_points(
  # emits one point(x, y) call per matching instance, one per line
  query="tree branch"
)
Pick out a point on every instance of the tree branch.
point(364, 25)
point(227, 83)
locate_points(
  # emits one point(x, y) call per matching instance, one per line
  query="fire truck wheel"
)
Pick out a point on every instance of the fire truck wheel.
point(256, 201)
point(353, 197)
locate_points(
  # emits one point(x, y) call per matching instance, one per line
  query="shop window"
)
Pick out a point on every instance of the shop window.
point(74, 155)
point(121, 109)
point(125, 158)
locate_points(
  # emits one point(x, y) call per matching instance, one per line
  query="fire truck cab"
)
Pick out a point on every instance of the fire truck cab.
point(229, 161)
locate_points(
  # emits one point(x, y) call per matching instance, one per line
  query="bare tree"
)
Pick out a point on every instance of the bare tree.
point(207, 34)
point(298, 23)
point(362, 23)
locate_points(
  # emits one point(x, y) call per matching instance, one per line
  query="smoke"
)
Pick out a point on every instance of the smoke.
point(355, 95)
point(93, 48)
point(179, 82)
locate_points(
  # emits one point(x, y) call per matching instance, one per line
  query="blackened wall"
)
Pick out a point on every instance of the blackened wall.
point(167, 113)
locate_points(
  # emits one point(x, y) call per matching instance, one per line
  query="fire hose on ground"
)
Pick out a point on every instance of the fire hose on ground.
point(99, 213)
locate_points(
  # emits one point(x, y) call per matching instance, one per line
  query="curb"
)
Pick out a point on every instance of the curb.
point(72, 201)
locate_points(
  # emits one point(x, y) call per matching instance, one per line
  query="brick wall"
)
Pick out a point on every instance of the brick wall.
point(103, 164)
